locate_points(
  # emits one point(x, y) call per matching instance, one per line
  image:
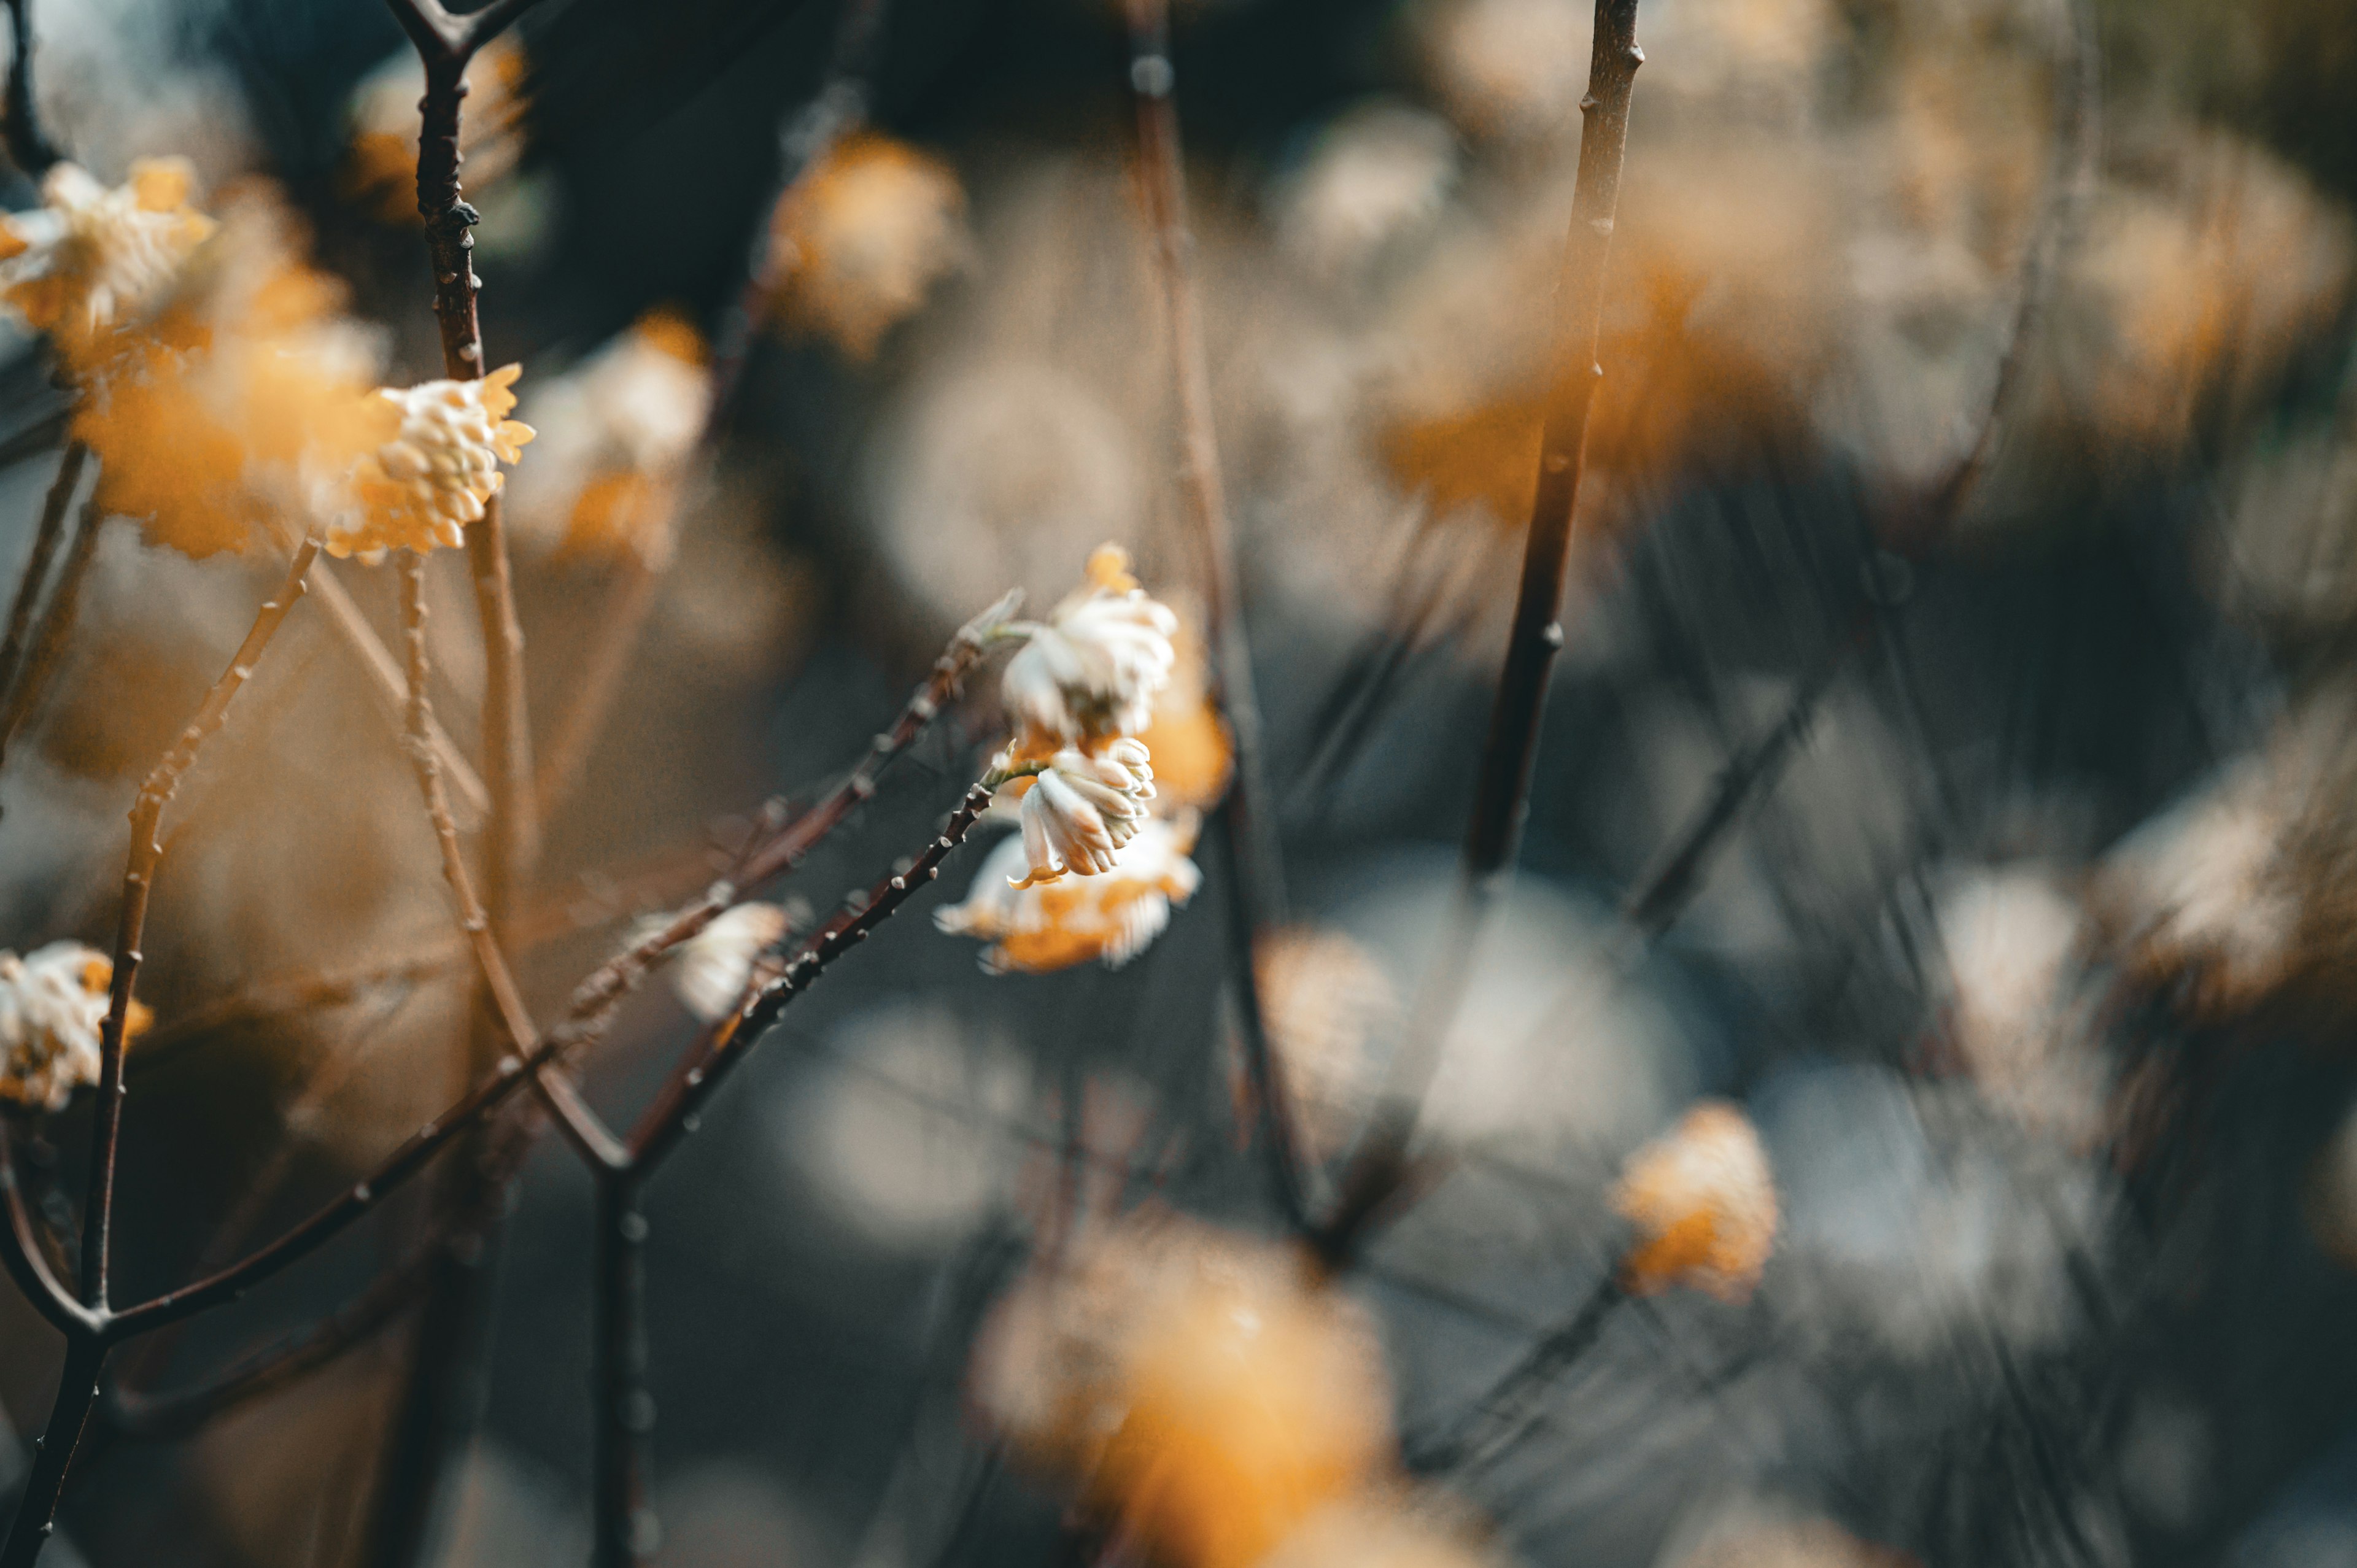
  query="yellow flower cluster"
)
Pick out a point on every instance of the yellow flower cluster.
point(91, 259)
point(1704, 1205)
point(859, 242)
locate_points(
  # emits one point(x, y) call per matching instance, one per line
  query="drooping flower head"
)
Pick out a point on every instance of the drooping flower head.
point(711, 969)
point(436, 466)
point(1206, 1392)
point(53, 1005)
point(1093, 669)
point(859, 242)
point(1080, 808)
point(1038, 927)
point(92, 258)
point(1704, 1205)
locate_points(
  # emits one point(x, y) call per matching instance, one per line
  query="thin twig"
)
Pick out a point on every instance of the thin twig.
point(626, 1528)
point(1501, 794)
point(1493, 1418)
point(180, 1413)
point(138, 881)
point(352, 628)
point(672, 1116)
point(21, 124)
point(1248, 843)
point(46, 541)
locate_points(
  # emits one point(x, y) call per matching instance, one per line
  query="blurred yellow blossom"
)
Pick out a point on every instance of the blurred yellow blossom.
point(53, 1006)
point(859, 241)
point(615, 435)
point(1703, 1206)
point(1328, 1004)
point(1209, 1394)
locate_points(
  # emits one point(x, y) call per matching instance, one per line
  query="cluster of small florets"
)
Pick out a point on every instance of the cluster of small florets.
point(53, 1005)
point(436, 467)
point(1704, 1205)
point(220, 389)
point(1095, 870)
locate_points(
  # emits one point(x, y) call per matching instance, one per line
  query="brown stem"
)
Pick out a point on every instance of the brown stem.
point(138, 879)
point(21, 123)
point(383, 672)
point(277, 996)
point(672, 1115)
point(27, 1264)
point(180, 1413)
point(56, 627)
point(37, 1510)
point(50, 534)
point(626, 1526)
point(1502, 792)
point(1248, 843)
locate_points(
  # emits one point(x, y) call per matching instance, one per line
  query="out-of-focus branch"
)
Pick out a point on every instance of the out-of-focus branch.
point(46, 539)
point(181, 1412)
point(353, 628)
point(1501, 794)
point(56, 627)
point(625, 1528)
point(20, 122)
point(1495, 1418)
point(138, 881)
point(1248, 839)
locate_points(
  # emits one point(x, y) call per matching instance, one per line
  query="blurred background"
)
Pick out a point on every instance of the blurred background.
point(2028, 951)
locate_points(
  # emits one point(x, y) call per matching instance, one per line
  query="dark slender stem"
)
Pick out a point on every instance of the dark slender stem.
point(37, 1508)
point(181, 1412)
point(1506, 1408)
point(46, 541)
point(27, 1264)
point(138, 880)
point(625, 1410)
point(28, 144)
point(1502, 791)
point(672, 1115)
point(56, 624)
point(1249, 845)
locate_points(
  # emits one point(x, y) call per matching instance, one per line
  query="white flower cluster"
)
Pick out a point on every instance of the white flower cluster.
point(53, 1003)
point(431, 476)
point(1093, 873)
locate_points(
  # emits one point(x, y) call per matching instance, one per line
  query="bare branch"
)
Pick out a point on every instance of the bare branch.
point(353, 628)
point(21, 123)
point(56, 627)
point(1501, 796)
point(1248, 837)
point(46, 541)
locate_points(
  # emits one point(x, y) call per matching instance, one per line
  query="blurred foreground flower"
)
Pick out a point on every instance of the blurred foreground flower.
point(233, 415)
point(711, 969)
point(1207, 1395)
point(2012, 938)
point(91, 259)
point(1092, 672)
point(1038, 927)
point(1378, 175)
point(53, 1005)
point(436, 467)
point(857, 242)
point(1703, 1206)
point(382, 170)
point(615, 435)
